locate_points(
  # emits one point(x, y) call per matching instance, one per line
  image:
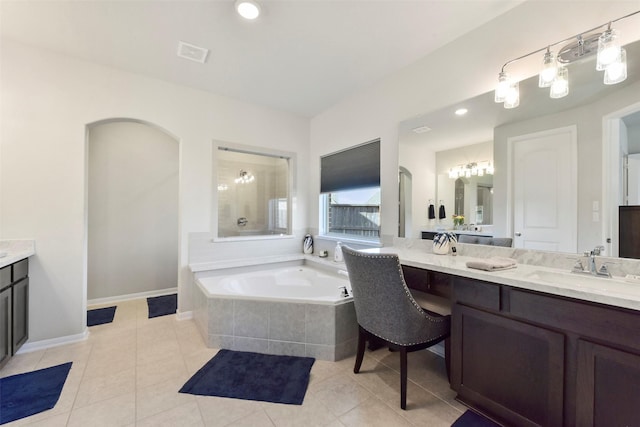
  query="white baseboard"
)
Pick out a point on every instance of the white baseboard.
point(128, 297)
point(184, 315)
point(29, 347)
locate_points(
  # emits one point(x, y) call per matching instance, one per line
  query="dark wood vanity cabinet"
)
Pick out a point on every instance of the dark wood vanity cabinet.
point(529, 359)
point(14, 308)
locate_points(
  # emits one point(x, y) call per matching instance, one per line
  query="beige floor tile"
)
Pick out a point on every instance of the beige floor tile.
point(374, 413)
point(22, 362)
point(157, 350)
point(186, 415)
point(108, 361)
point(338, 393)
point(424, 408)
point(76, 353)
point(118, 411)
point(257, 419)
point(220, 411)
point(160, 371)
point(312, 412)
point(322, 370)
point(161, 397)
point(197, 359)
point(59, 420)
point(96, 389)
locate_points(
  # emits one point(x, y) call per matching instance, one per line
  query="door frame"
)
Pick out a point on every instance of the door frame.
point(573, 165)
point(611, 176)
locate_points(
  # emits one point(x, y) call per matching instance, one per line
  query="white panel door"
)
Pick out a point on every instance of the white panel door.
point(545, 190)
point(633, 180)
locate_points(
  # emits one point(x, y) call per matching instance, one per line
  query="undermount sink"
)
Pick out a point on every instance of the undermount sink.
point(586, 282)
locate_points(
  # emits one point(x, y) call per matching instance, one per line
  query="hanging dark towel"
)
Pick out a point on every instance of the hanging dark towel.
point(432, 211)
point(441, 213)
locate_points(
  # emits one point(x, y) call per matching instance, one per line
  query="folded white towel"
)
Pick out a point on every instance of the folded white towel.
point(492, 264)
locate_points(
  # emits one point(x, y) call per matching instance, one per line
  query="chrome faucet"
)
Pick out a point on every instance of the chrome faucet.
point(592, 268)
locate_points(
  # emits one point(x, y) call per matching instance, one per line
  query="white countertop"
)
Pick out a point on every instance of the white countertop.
point(15, 250)
point(616, 292)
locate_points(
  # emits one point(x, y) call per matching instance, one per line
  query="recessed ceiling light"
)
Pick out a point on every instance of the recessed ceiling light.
point(421, 129)
point(248, 9)
point(461, 111)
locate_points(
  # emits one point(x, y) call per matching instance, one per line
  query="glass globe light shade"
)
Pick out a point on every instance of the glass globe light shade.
point(512, 98)
point(549, 70)
point(608, 49)
point(560, 85)
point(616, 72)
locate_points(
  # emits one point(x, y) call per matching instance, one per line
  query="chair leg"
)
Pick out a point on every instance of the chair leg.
point(362, 341)
point(403, 377)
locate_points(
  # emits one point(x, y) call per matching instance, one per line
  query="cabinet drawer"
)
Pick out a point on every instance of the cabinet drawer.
point(5, 277)
point(20, 269)
point(476, 293)
point(610, 324)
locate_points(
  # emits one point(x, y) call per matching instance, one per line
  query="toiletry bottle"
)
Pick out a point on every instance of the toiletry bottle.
point(307, 245)
point(337, 255)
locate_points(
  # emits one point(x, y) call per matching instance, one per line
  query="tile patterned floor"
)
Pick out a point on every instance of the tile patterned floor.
point(127, 373)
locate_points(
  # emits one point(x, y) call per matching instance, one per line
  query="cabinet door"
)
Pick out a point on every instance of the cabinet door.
point(608, 386)
point(509, 369)
point(5, 326)
point(20, 313)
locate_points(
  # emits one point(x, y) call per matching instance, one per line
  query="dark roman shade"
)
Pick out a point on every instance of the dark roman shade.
point(357, 167)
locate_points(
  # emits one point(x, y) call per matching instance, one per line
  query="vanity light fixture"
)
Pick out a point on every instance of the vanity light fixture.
point(611, 58)
point(248, 9)
point(471, 169)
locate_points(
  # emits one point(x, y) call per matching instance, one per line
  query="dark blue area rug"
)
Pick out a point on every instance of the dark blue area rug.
point(32, 392)
point(100, 316)
point(252, 376)
point(471, 419)
point(161, 306)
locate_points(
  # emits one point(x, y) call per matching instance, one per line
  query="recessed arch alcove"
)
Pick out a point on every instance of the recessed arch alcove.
point(132, 209)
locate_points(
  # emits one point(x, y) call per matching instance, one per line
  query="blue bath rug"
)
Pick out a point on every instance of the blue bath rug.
point(471, 419)
point(253, 376)
point(100, 316)
point(161, 306)
point(30, 393)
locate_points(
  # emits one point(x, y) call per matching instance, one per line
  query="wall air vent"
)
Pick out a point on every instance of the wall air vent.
point(192, 52)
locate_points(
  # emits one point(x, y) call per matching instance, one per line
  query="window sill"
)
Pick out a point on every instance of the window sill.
point(345, 239)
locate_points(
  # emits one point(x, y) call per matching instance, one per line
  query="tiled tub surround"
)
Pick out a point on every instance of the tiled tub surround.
point(324, 329)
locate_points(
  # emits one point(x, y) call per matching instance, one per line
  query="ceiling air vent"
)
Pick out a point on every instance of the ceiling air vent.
point(421, 129)
point(192, 52)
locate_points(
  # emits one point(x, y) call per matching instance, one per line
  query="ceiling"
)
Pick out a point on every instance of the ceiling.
point(300, 56)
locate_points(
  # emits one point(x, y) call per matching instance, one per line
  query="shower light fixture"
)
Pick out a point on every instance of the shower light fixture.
point(244, 177)
point(611, 58)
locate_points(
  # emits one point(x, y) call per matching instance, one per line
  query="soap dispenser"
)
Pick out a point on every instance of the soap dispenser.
point(337, 254)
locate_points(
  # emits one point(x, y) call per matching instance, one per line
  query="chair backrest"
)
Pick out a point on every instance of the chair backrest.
point(483, 240)
point(384, 305)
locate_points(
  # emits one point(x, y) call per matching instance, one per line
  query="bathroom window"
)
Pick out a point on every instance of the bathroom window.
point(253, 193)
point(350, 193)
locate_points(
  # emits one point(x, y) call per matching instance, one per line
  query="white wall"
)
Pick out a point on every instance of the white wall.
point(463, 69)
point(133, 209)
point(420, 161)
point(47, 100)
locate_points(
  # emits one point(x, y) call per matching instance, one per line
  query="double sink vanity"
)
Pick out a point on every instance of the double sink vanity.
point(536, 344)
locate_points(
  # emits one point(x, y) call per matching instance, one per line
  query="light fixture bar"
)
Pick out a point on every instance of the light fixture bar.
point(611, 58)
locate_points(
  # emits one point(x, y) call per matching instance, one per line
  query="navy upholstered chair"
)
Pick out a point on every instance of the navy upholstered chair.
point(386, 310)
point(483, 240)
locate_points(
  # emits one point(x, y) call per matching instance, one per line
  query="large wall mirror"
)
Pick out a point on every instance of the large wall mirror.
point(599, 126)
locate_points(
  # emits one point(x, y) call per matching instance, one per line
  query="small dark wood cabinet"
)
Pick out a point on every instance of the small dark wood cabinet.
point(14, 308)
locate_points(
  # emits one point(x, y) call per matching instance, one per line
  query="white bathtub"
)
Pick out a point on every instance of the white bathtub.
point(293, 284)
point(296, 311)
